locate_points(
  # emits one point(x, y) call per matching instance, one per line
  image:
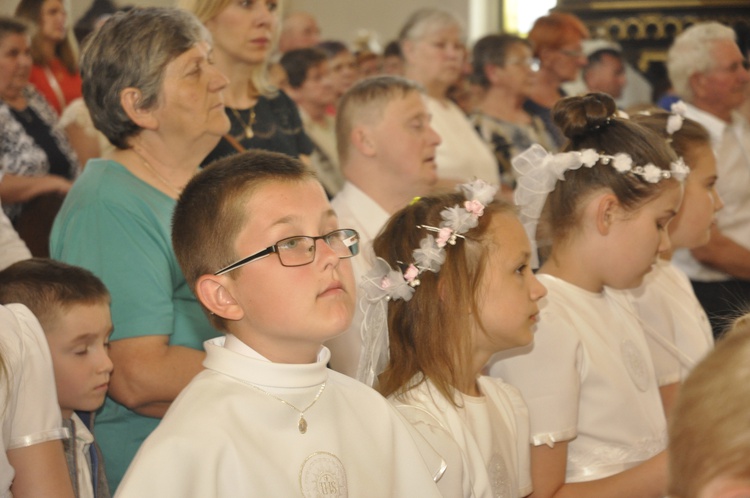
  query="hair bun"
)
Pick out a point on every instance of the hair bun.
point(579, 116)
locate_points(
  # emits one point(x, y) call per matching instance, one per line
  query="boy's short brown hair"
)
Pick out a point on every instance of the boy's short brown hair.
point(210, 212)
point(47, 287)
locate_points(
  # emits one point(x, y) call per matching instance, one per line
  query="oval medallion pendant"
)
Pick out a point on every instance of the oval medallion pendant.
point(302, 424)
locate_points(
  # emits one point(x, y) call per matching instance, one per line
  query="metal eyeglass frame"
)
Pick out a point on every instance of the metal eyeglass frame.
point(349, 233)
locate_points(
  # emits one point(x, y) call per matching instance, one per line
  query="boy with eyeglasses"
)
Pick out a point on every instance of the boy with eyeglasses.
point(261, 248)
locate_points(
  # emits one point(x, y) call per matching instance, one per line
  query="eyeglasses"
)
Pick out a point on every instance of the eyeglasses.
point(300, 249)
point(572, 53)
point(530, 62)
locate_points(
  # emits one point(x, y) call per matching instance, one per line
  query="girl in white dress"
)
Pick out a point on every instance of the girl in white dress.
point(466, 292)
point(677, 329)
point(597, 423)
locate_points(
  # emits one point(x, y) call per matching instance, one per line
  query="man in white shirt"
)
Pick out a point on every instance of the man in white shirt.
point(387, 153)
point(605, 72)
point(709, 72)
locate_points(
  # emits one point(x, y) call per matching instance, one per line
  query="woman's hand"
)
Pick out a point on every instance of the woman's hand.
point(150, 373)
point(17, 188)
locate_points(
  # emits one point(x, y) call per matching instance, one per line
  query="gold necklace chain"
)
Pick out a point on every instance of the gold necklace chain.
point(301, 423)
point(247, 126)
point(158, 175)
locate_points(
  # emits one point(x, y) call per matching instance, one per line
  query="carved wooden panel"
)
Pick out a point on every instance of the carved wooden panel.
point(646, 28)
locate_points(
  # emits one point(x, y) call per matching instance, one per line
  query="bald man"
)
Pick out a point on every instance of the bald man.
point(299, 30)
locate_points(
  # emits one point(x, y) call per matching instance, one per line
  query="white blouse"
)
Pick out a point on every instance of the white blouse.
point(588, 379)
point(677, 329)
point(462, 154)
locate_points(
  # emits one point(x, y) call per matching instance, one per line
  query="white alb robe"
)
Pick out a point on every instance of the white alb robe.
point(224, 437)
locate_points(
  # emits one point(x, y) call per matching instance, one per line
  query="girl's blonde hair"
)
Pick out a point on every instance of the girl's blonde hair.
point(709, 435)
point(205, 10)
point(430, 335)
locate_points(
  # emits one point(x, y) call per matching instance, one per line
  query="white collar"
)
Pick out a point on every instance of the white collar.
point(711, 123)
point(234, 358)
point(368, 213)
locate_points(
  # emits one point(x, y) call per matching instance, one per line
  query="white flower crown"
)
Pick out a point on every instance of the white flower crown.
point(675, 120)
point(538, 172)
point(383, 283)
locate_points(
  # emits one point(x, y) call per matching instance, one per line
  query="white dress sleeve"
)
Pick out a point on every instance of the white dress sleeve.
point(32, 414)
point(508, 400)
point(548, 374)
point(28, 400)
point(453, 482)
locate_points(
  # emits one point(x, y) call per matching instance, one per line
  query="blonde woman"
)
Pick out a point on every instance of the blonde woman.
point(262, 116)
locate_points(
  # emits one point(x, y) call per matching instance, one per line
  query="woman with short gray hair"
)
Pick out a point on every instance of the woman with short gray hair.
point(504, 67)
point(434, 52)
point(152, 89)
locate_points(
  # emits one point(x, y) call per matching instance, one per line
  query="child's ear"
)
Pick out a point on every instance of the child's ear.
point(606, 211)
point(131, 100)
point(216, 296)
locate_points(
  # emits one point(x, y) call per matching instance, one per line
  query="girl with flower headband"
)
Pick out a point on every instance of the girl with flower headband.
point(677, 329)
point(603, 206)
point(453, 272)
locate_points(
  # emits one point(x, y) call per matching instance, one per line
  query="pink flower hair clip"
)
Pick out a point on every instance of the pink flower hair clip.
point(384, 283)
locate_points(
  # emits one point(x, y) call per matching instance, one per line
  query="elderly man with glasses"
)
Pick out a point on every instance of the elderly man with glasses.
point(708, 71)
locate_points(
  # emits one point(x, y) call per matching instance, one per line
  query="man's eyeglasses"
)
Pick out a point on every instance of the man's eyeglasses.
point(300, 249)
point(575, 54)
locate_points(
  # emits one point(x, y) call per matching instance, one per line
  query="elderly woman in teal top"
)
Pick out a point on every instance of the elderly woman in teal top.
point(151, 88)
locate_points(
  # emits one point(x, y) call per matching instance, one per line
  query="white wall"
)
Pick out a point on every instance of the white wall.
point(342, 19)
point(76, 8)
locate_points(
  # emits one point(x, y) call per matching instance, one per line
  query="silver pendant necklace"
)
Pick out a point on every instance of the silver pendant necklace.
point(301, 423)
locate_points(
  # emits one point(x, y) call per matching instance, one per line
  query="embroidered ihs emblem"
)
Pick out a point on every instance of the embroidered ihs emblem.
point(323, 476)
